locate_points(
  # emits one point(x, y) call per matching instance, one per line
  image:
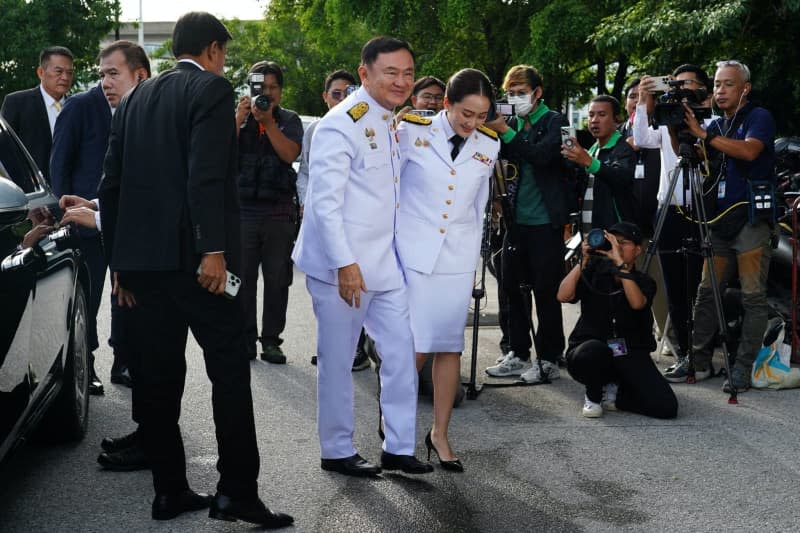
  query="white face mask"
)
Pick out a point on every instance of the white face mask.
point(522, 104)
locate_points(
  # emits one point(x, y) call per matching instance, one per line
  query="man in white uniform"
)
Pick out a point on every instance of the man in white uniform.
point(346, 248)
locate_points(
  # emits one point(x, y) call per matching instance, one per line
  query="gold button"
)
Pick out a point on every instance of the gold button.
point(451, 187)
point(449, 202)
point(453, 172)
point(442, 230)
point(444, 215)
point(396, 179)
point(398, 205)
point(385, 116)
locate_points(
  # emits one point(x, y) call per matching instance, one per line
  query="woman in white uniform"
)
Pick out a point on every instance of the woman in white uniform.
point(448, 161)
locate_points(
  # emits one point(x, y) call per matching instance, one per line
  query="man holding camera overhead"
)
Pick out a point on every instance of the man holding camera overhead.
point(541, 206)
point(270, 138)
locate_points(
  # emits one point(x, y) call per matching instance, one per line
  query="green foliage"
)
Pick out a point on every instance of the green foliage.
point(28, 26)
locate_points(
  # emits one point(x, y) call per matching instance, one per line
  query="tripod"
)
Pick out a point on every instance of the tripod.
point(497, 190)
point(687, 171)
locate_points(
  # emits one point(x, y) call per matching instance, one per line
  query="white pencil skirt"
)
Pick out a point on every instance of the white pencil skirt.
point(438, 304)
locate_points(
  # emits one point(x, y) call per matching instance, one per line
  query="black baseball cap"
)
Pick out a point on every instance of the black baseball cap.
point(627, 230)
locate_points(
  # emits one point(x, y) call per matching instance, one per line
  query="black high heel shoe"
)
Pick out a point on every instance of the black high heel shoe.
point(453, 466)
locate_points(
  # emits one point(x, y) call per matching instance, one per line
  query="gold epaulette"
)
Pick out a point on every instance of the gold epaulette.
point(487, 131)
point(358, 111)
point(416, 119)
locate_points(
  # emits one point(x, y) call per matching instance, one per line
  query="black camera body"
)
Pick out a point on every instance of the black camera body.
point(596, 239)
point(670, 111)
point(256, 82)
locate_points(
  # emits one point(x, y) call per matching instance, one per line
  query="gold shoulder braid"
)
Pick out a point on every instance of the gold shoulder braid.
point(358, 111)
point(416, 119)
point(487, 131)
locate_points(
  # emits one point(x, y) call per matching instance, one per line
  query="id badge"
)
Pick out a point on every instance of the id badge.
point(721, 190)
point(618, 347)
point(639, 175)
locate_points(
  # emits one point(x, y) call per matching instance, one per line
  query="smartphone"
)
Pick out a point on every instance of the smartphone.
point(232, 283)
point(661, 83)
point(422, 112)
point(568, 136)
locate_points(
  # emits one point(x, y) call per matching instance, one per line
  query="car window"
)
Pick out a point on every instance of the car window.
point(14, 165)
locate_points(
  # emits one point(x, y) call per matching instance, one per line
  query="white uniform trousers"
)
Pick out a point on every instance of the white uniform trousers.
point(384, 315)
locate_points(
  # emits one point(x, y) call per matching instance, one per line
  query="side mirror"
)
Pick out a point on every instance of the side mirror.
point(13, 203)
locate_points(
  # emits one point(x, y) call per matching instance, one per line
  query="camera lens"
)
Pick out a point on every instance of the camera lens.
point(262, 102)
point(597, 240)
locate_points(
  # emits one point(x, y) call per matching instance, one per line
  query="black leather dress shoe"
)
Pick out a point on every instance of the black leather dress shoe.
point(95, 385)
point(351, 466)
point(253, 511)
point(407, 463)
point(111, 444)
point(122, 378)
point(125, 460)
point(169, 505)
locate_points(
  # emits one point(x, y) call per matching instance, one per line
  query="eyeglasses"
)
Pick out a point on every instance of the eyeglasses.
point(337, 94)
point(429, 96)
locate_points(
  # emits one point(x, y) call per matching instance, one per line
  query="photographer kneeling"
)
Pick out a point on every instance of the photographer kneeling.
point(609, 349)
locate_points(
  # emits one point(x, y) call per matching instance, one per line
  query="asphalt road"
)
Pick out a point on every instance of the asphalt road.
point(533, 463)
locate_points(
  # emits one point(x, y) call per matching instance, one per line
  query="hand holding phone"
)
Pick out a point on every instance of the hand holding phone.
point(568, 136)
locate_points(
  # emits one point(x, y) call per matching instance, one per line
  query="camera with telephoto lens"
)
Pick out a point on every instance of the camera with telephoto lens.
point(670, 111)
point(256, 82)
point(596, 239)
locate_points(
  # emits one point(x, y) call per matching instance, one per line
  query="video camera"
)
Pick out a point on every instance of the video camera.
point(256, 82)
point(670, 111)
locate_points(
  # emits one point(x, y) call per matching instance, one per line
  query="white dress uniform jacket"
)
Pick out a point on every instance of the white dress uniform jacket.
point(442, 201)
point(348, 215)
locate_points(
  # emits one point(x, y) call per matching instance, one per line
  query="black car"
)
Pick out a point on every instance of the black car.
point(44, 285)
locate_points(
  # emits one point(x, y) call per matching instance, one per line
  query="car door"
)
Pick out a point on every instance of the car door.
point(37, 277)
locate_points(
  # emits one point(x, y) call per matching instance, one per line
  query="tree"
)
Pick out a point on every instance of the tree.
point(662, 34)
point(29, 26)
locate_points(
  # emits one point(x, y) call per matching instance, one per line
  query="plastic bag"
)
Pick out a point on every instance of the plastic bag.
point(772, 369)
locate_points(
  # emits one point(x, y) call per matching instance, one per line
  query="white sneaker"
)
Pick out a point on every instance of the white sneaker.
point(501, 357)
point(591, 409)
point(609, 401)
point(534, 375)
point(511, 365)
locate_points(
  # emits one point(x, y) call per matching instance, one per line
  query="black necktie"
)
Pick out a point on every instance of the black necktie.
point(457, 141)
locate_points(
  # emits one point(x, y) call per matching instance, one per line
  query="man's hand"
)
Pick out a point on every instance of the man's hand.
point(125, 297)
point(646, 90)
point(242, 110)
point(614, 254)
point(692, 124)
point(498, 124)
point(265, 118)
point(398, 117)
point(212, 276)
point(36, 234)
point(82, 216)
point(68, 200)
point(351, 283)
point(576, 154)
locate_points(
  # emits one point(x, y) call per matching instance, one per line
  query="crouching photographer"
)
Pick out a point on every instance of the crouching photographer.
point(609, 349)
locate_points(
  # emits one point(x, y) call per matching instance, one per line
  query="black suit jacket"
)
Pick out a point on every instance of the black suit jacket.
point(26, 112)
point(80, 141)
point(169, 191)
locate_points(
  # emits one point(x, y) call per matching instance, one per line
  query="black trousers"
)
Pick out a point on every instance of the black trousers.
point(681, 271)
point(168, 304)
point(496, 249)
point(642, 388)
point(266, 243)
point(539, 262)
point(92, 248)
